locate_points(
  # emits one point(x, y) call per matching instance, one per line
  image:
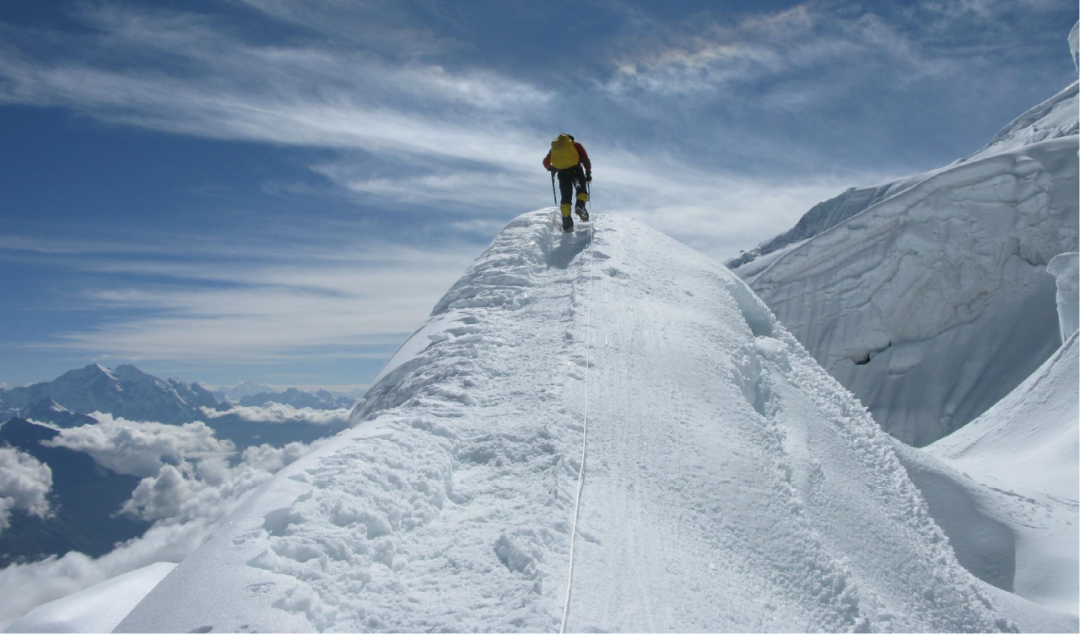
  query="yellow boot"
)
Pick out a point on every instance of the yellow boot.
point(567, 220)
point(582, 197)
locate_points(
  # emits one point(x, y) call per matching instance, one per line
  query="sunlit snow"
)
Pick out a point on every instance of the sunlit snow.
point(97, 609)
point(934, 303)
point(730, 483)
point(1066, 271)
point(1026, 447)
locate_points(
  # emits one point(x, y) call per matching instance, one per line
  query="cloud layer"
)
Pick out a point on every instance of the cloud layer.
point(188, 488)
point(141, 448)
point(24, 484)
point(276, 413)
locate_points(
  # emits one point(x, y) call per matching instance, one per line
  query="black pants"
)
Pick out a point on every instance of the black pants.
point(570, 179)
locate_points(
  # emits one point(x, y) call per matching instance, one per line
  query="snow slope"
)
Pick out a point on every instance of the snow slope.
point(1028, 442)
point(820, 218)
point(729, 482)
point(1053, 119)
point(1027, 446)
point(97, 609)
point(934, 303)
point(1023, 544)
point(917, 296)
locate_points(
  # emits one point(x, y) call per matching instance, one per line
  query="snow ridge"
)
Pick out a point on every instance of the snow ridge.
point(820, 218)
point(731, 484)
point(581, 466)
point(1054, 118)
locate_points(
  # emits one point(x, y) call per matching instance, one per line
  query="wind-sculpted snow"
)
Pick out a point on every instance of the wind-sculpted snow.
point(1054, 118)
point(820, 218)
point(1066, 271)
point(928, 296)
point(935, 303)
point(97, 609)
point(1026, 448)
point(729, 483)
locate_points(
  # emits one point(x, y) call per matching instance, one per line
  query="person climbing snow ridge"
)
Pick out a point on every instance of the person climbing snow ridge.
point(568, 159)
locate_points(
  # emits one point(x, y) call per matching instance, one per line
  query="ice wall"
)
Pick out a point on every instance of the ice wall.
point(1064, 268)
point(935, 303)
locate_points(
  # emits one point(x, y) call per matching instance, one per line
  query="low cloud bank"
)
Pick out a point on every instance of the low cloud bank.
point(24, 482)
point(281, 413)
point(184, 495)
point(141, 448)
point(188, 489)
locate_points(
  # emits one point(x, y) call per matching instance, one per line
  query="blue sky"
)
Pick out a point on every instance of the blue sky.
point(280, 190)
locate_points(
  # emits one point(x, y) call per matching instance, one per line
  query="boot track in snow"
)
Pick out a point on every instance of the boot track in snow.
point(732, 484)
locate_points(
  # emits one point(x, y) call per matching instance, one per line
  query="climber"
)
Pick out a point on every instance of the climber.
point(567, 158)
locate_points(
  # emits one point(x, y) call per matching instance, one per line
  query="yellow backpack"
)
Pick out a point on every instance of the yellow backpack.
point(563, 153)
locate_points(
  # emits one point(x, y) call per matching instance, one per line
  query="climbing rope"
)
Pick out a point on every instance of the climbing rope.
point(584, 446)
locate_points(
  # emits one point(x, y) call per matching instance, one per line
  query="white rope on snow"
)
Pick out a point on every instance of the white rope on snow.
point(584, 445)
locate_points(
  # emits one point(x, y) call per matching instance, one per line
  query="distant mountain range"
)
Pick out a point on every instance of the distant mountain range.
point(128, 392)
point(320, 400)
point(239, 391)
point(85, 496)
point(124, 392)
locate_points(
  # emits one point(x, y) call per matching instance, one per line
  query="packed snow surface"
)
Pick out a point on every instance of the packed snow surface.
point(730, 484)
point(935, 302)
point(1025, 451)
point(1066, 270)
point(97, 609)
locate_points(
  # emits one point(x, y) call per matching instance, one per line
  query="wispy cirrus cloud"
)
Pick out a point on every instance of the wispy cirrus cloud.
point(758, 54)
point(348, 298)
point(468, 141)
point(389, 27)
point(719, 131)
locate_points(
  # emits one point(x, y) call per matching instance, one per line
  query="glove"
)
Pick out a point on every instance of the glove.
point(588, 178)
point(553, 170)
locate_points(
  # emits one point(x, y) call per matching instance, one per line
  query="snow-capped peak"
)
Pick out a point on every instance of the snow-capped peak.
point(124, 391)
point(101, 369)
